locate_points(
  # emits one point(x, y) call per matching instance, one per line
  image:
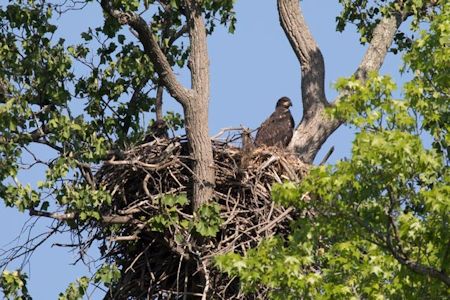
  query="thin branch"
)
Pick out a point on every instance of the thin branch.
point(105, 219)
point(125, 238)
point(159, 103)
point(29, 250)
point(275, 221)
point(132, 104)
point(401, 256)
point(327, 156)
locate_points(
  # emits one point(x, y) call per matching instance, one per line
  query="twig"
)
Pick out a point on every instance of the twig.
point(207, 280)
point(223, 130)
point(327, 156)
point(276, 220)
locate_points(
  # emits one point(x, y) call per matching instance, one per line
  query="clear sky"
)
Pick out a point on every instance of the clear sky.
point(250, 70)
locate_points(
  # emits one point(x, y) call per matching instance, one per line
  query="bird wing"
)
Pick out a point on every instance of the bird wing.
point(288, 129)
point(273, 130)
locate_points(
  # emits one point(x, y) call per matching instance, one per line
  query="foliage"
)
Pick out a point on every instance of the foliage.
point(372, 226)
point(107, 274)
point(376, 225)
point(365, 15)
point(65, 107)
point(206, 221)
point(429, 90)
point(76, 290)
point(14, 285)
point(45, 82)
point(169, 215)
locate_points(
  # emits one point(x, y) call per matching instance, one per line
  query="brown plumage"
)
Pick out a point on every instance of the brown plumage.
point(157, 130)
point(277, 130)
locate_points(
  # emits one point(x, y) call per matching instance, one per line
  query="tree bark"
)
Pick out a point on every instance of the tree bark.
point(159, 103)
point(196, 111)
point(194, 100)
point(315, 128)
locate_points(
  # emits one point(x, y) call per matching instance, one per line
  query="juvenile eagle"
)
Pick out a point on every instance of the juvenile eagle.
point(277, 130)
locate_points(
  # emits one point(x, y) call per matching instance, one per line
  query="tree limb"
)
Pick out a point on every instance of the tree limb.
point(307, 52)
point(105, 219)
point(382, 38)
point(159, 103)
point(315, 128)
point(398, 252)
point(153, 50)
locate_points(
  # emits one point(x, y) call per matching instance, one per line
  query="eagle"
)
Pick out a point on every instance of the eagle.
point(158, 130)
point(277, 130)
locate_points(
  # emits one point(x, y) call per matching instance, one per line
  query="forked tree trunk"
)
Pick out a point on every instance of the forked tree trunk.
point(194, 100)
point(315, 128)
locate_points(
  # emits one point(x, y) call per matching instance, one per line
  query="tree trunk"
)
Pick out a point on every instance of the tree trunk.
point(196, 110)
point(195, 100)
point(315, 128)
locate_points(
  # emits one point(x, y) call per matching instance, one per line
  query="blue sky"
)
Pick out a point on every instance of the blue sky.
point(250, 70)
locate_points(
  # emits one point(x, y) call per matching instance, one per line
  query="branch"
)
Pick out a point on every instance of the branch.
point(159, 103)
point(315, 128)
point(34, 135)
point(153, 50)
point(184, 29)
point(106, 219)
point(420, 268)
point(132, 104)
point(400, 255)
point(139, 163)
point(307, 52)
point(382, 38)
point(327, 156)
point(198, 58)
point(27, 249)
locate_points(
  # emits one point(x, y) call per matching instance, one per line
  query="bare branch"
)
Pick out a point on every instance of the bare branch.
point(139, 163)
point(327, 156)
point(159, 103)
point(106, 219)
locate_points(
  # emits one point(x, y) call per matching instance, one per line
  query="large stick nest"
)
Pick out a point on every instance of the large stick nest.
point(174, 263)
